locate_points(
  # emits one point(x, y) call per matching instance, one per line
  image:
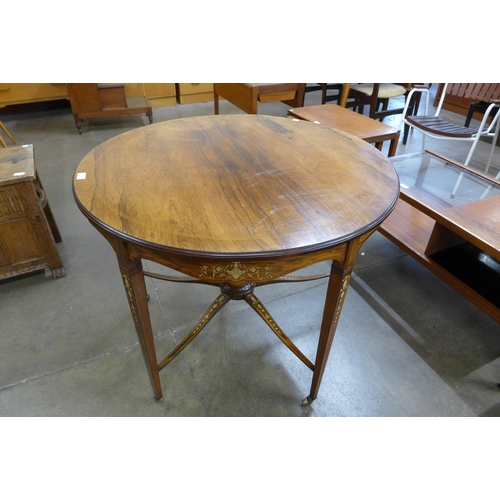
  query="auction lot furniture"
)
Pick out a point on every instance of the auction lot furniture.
point(28, 232)
point(376, 94)
point(99, 100)
point(432, 125)
point(188, 93)
point(23, 93)
point(361, 126)
point(246, 96)
point(157, 94)
point(448, 219)
point(236, 201)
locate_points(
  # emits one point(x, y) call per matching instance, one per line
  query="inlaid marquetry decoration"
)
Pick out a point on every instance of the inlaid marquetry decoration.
point(343, 291)
point(130, 296)
point(216, 306)
point(236, 271)
point(260, 309)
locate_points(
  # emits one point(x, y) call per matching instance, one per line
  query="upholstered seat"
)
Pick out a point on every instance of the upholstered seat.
point(385, 90)
point(375, 95)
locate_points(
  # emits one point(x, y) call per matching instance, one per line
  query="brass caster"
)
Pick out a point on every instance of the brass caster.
point(307, 401)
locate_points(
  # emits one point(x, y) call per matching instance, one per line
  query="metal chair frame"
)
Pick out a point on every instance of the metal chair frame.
point(437, 128)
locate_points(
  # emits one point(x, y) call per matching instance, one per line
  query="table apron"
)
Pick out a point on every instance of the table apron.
point(240, 269)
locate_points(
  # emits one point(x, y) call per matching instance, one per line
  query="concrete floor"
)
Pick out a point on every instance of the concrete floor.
point(406, 345)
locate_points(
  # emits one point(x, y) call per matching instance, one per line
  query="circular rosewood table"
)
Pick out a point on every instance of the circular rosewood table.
point(237, 201)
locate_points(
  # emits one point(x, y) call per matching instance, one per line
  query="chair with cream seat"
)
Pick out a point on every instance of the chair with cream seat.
point(375, 95)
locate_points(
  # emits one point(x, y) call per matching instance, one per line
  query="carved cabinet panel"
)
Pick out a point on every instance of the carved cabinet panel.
point(28, 232)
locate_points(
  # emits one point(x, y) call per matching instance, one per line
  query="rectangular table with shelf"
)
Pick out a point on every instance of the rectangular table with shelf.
point(368, 129)
point(448, 219)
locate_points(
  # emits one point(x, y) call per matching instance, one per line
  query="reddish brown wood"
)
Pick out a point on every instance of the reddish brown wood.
point(442, 127)
point(459, 96)
point(236, 201)
point(332, 115)
point(92, 100)
point(246, 96)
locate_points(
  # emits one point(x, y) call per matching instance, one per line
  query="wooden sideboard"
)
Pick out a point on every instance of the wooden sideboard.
point(158, 94)
point(23, 93)
point(188, 93)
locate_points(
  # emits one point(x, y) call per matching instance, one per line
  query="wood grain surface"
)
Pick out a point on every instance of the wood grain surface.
point(236, 184)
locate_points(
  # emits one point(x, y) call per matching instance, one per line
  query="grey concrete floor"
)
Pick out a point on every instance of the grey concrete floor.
point(407, 345)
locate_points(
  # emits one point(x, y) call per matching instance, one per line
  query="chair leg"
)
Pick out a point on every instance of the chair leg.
point(493, 145)
point(466, 162)
point(406, 132)
point(472, 149)
point(469, 114)
point(2, 126)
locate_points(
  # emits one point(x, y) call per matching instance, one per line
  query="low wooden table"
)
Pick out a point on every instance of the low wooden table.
point(28, 231)
point(235, 201)
point(361, 126)
point(448, 219)
point(246, 96)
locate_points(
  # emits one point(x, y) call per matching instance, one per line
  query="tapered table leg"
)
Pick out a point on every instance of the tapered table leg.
point(335, 296)
point(135, 288)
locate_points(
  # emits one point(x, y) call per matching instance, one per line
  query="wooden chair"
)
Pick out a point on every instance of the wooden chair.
point(376, 95)
point(2, 141)
point(97, 100)
point(438, 128)
point(325, 87)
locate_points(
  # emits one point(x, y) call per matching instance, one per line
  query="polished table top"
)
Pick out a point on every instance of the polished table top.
point(236, 184)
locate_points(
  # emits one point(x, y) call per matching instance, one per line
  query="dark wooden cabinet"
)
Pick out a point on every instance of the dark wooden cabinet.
point(28, 231)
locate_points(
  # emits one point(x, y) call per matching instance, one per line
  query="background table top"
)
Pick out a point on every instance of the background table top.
point(347, 120)
point(236, 184)
point(16, 164)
